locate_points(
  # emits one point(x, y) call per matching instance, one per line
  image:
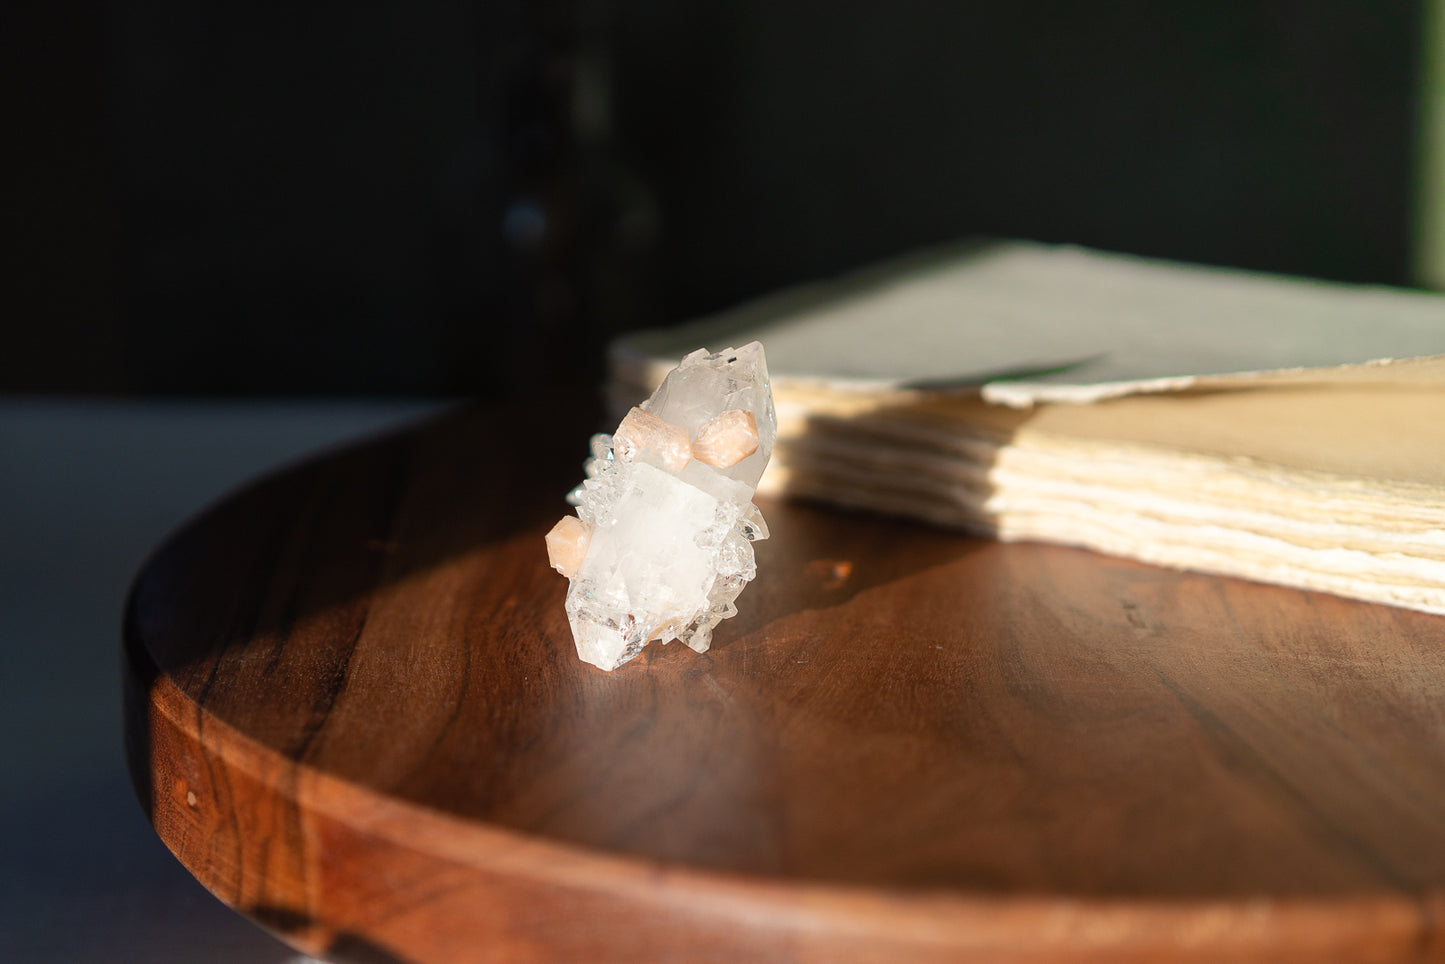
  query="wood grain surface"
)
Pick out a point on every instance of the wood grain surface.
point(354, 712)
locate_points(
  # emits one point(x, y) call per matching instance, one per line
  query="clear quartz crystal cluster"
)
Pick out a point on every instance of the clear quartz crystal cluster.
point(662, 541)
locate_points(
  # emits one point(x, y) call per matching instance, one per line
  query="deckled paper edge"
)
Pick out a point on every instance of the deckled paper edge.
point(1023, 395)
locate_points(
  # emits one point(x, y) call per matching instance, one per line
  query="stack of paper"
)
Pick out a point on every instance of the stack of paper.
point(1277, 429)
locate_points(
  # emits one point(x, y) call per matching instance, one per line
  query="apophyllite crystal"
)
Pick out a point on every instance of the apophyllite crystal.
point(662, 542)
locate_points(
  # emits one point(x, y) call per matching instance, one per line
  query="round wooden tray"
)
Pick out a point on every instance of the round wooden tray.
point(354, 712)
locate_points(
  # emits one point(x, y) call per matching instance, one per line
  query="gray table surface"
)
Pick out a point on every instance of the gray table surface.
point(87, 489)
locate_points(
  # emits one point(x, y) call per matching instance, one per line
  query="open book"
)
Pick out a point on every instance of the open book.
point(1278, 429)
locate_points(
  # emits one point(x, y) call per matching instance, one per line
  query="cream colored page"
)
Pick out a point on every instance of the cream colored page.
point(1388, 433)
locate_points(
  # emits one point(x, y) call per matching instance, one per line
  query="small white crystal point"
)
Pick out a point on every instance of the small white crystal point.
point(567, 545)
point(754, 526)
point(670, 533)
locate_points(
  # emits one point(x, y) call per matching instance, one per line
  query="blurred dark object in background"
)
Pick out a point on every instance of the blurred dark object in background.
point(439, 198)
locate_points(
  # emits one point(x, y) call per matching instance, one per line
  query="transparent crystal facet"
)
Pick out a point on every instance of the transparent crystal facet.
point(671, 541)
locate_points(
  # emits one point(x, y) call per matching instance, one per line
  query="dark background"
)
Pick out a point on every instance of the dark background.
point(439, 198)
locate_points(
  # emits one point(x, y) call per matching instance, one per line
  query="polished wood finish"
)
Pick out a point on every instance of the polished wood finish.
point(355, 714)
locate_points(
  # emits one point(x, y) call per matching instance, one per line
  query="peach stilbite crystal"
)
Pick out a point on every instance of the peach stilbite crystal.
point(567, 545)
point(671, 535)
point(643, 437)
point(725, 440)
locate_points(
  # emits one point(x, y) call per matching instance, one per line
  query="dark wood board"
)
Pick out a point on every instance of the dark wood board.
point(355, 713)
